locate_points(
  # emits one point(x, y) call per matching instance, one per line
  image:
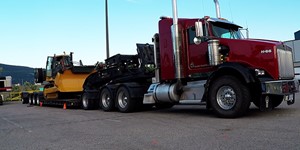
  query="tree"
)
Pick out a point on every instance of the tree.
point(27, 86)
point(33, 87)
point(16, 88)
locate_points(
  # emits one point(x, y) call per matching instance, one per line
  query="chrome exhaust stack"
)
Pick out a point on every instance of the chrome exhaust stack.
point(213, 52)
point(217, 8)
point(176, 43)
point(175, 88)
point(168, 92)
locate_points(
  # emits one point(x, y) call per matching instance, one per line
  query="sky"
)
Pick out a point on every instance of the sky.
point(31, 30)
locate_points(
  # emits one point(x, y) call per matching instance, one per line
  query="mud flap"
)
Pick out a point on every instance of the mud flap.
point(290, 100)
point(265, 103)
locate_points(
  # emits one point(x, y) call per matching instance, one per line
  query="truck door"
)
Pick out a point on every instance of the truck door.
point(197, 54)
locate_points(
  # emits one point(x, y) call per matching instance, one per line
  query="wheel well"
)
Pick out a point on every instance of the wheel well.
point(228, 71)
point(111, 87)
point(135, 89)
point(244, 74)
point(237, 70)
point(93, 81)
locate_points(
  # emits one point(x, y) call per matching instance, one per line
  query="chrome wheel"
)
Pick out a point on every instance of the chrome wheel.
point(30, 100)
point(87, 103)
point(122, 99)
point(229, 97)
point(84, 101)
point(34, 100)
point(125, 102)
point(226, 97)
point(37, 100)
point(106, 102)
point(105, 99)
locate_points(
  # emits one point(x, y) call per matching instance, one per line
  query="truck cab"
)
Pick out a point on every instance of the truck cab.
point(213, 48)
point(262, 55)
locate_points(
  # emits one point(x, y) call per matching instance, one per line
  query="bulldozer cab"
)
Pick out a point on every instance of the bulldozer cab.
point(57, 64)
point(49, 66)
point(60, 64)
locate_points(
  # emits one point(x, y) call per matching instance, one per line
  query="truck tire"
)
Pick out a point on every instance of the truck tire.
point(124, 101)
point(87, 104)
point(229, 97)
point(106, 101)
point(276, 100)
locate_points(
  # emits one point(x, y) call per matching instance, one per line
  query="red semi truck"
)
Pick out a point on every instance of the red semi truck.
point(205, 60)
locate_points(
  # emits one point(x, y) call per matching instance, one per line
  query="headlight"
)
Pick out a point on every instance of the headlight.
point(259, 72)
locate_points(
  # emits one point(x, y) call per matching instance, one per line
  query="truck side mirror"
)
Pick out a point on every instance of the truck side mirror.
point(199, 29)
point(199, 32)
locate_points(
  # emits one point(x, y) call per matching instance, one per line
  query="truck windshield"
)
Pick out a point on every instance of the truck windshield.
point(224, 30)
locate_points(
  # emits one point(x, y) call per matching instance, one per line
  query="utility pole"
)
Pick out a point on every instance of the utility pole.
point(107, 34)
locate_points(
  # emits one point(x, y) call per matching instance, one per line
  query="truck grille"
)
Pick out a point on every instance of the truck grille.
point(285, 62)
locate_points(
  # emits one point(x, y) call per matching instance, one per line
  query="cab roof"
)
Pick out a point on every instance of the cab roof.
point(222, 21)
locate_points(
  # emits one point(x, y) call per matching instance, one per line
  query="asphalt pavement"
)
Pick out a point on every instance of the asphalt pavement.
point(187, 127)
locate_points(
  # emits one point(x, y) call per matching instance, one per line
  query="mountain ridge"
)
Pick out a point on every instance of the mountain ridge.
point(19, 74)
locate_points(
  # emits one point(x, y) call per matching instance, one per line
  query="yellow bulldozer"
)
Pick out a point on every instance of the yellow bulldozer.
point(62, 80)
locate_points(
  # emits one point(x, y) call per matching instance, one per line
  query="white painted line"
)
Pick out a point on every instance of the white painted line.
point(16, 124)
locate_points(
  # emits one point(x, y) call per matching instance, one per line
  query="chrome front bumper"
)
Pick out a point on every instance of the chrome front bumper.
point(280, 87)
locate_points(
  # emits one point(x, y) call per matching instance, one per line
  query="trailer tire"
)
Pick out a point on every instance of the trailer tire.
point(35, 99)
point(229, 97)
point(124, 101)
point(23, 101)
point(38, 100)
point(30, 99)
point(87, 104)
point(106, 100)
point(26, 100)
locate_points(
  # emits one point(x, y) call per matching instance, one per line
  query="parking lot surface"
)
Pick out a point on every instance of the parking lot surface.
point(181, 127)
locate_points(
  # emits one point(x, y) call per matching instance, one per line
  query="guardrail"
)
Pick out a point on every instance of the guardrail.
point(13, 96)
